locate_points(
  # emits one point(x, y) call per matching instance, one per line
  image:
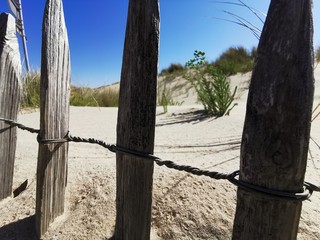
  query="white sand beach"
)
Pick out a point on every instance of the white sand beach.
point(184, 206)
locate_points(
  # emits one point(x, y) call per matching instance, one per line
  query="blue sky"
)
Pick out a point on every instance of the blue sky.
point(96, 32)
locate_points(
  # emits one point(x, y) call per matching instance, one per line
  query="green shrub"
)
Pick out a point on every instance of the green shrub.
point(234, 60)
point(31, 90)
point(173, 68)
point(211, 85)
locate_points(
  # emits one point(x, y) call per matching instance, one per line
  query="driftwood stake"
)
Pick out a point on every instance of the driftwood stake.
point(54, 117)
point(10, 80)
point(277, 127)
point(136, 120)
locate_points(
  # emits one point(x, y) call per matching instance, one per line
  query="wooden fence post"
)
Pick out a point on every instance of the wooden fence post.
point(277, 127)
point(54, 116)
point(136, 120)
point(10, 88)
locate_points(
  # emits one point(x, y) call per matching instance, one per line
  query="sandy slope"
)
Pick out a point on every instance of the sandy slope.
point(184, 206)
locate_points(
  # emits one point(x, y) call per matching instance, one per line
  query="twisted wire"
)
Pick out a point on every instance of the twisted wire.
point(71, 138)
point(19, 125)
point(193, 170)
point(309, 188)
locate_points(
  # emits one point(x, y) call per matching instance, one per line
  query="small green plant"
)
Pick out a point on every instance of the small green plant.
point(31, 90)
point(165, 98)
point(164, 101)
point(211, 85)
point(317, 55)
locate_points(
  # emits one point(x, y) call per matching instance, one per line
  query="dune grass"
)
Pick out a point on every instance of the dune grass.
point(86, 96)
point(173, 69)
point(89, 97)
point(107, 97)
point(79, 96)
point(31, 90)
point(235, 60)
point(82, 96)
point(231, 61)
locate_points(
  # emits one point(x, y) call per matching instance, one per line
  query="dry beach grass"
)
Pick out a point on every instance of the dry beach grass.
point(184, 206)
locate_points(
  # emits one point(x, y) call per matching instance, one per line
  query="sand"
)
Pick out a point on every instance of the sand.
point(184, 206)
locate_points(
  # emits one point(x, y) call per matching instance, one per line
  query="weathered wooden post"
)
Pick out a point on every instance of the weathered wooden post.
point(54, 117)
point(136, 120)
point(10, 88)
point(277, 126)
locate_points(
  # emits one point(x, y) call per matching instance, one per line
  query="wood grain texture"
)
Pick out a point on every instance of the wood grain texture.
point(54, 116)
point(136, 120)
point(10, 89)
point(277, 126)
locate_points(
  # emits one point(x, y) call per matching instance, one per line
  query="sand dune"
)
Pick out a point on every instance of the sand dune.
point(184, 206)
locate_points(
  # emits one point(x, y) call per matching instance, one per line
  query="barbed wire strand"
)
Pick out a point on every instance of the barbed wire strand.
point(308, 188)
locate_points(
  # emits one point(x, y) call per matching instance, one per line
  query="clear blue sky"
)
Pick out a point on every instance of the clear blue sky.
point(96, 33)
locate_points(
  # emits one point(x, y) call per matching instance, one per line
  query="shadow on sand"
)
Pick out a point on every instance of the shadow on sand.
point(23, 229)
point(189, 117)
